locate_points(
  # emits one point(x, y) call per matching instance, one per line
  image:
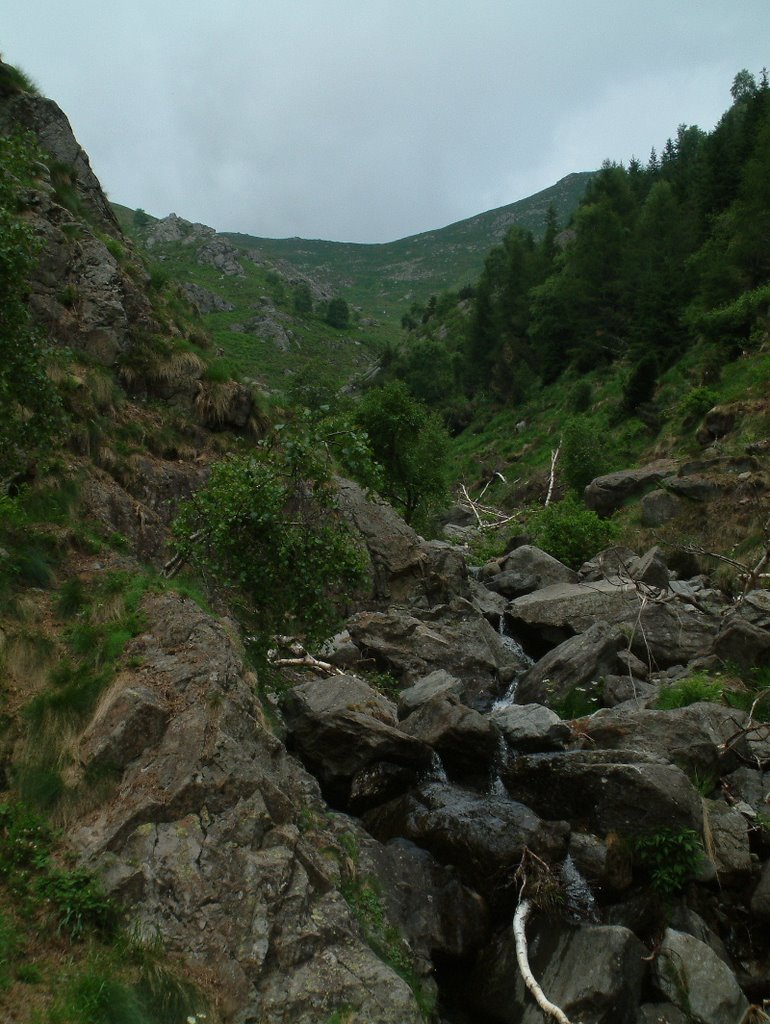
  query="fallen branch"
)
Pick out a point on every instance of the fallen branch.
point(543, 877)
point(522, 958)
point(300, 658)
point(552, 478)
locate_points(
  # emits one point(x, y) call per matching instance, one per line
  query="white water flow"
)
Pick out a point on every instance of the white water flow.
point(496, 786)
point(437, 771)
point(513, 645)
point(580, 900)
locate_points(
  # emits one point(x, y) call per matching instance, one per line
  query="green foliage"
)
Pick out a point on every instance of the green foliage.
point(640, 386)
point(579, 398)
point(670, 857)
point(584, 452)
point(571, 532)
point(31, 410)
point(302, 298)
point(79, 903)
point(696, 403)
point(266, 527)
point(15, 80)
point(411, 445)
point(697, 687)
point(579, 702)
point(338, 314)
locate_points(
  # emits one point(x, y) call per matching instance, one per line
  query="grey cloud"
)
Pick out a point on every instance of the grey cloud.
point(370, 121)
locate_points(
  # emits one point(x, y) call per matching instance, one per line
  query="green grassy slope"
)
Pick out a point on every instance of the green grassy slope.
point(385, 279)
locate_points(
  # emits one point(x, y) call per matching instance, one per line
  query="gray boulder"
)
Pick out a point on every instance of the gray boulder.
point(528, 728)
point(426, 900)
point(484, 837)
point(729, 842)
point(436, 684)
point(580, 661)
point(340, 727)
point(466, 741)
point(530, 561)
point(691, 976)
point(456, 638)
point(593, 973)
point(405, 569)
point(744, 635)
point(690, 737)
point(611, 563)
point(606, 791)
point(608, 493)
point(670, 633)
point(659, 507)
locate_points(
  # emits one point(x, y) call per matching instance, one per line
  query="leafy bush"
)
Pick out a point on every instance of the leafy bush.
point(670, 857)
point(694, 688)
point(31, 410)
point(79, 902)
point(411, 445)
point(696, 403)
point(584, 452)
point(571, 532)
point(265, 526)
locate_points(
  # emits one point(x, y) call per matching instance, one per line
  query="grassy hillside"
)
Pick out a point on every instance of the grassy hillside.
point(260, 333)
point(385, 279)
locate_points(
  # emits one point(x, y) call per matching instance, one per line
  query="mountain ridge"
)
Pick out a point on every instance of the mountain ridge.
point(387, 276)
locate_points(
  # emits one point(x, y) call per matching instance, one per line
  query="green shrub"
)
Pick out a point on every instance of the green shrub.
point(696, 403)
point(571, 532)
point(79, 903)
point(670, 857)
point(266, 528)
point(584, 452)
point(694, 688)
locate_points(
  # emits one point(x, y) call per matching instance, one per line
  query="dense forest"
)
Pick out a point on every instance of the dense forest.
point(658, 257)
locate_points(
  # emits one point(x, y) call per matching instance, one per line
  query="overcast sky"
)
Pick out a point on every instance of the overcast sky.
point(369, 120)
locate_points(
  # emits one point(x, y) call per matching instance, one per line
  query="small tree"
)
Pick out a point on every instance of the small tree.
point(571, 532)
point(411, 445)
point(265, 527)
point(338, 314)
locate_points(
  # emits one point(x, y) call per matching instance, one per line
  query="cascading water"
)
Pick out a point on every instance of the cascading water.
point(580, 901)
point(513, 645)
point(496, 786)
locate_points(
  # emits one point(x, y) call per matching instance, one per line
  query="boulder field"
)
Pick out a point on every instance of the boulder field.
point(350, 848)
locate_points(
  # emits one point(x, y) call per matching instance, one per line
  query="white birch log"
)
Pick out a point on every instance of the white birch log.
point(522, 958)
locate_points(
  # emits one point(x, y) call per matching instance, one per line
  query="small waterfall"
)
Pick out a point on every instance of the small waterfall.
point(513, 645)
point(580, 901)
point(496, 786)
point(436, 772)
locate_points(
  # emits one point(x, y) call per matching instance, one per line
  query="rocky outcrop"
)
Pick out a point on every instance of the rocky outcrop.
point(607, 493)
point(220, 254)
point(215, 834)
point(173, 229)
point(405, 569)
point(50, 126)
point(593, 973)
point(206, 301)
point(693, 978)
